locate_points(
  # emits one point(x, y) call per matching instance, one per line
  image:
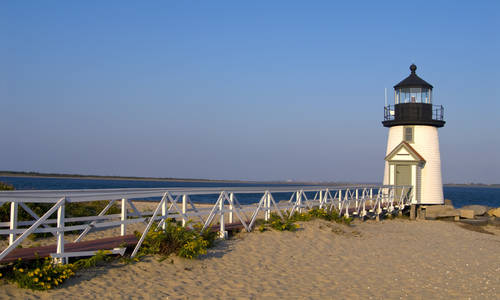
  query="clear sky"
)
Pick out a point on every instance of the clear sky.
point(259, 90)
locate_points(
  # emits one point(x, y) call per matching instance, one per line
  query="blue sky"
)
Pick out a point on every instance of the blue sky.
point(259, 90)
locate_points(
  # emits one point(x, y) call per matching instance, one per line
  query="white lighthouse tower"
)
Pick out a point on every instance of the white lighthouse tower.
point(412, 156)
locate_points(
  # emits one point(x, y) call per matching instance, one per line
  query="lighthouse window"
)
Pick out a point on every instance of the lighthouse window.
point(405, 96)
point(415, 95)
point(408, 134)
point(425, 96)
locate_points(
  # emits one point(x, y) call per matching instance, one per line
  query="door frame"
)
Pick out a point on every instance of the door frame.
point(407, 157)
point(415, 167)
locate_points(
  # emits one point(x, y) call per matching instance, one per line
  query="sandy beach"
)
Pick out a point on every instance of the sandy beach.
point(372, 260)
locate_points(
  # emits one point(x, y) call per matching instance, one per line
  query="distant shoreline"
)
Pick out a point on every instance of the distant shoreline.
point(167, 179)
point(79, 176)
point(472, 185)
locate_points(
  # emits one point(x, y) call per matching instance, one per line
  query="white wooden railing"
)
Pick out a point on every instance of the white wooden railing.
point(359, 201)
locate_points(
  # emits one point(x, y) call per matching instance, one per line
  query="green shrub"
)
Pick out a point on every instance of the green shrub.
point(85, 263)
point(331, 215)
point(287, 222)
point(39, 274)
point(282, 224)
point(6, 187)
point(321, 213)
point(209, 236)
point(302, 216)
point(194, 248)
point(179, 240)
point(42, 274)
point(277, 223)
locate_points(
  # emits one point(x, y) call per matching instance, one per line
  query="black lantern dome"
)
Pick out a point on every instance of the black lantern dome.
point(413, 104)
point(413, 81)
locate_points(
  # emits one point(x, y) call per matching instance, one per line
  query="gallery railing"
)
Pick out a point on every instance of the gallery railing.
point(435, 112)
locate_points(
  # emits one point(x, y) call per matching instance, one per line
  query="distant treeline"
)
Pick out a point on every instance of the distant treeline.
point(59, 175)
point(38, 174)
point(494, 185)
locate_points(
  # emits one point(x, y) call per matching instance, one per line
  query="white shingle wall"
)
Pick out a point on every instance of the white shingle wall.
point(426, 143)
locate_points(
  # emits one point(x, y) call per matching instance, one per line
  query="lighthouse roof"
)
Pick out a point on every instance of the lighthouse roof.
point(413, 80)
point(404, 152)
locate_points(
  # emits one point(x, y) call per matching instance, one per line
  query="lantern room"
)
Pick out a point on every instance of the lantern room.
point(413, 89)
point(413, 104)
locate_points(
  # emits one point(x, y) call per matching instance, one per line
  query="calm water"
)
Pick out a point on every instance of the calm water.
point(459, 195)
point(34, 183)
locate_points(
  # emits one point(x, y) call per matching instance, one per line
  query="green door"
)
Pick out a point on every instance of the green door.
point(403, 177)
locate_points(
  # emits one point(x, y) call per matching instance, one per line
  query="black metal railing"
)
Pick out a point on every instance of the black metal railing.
point(389, 112)
point(437, 112)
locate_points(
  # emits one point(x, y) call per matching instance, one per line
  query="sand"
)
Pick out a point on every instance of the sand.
point(390, 259)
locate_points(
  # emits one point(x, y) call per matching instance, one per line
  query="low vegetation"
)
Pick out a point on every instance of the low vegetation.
point(6, 187)
point(179, 240)
point(331, 215)
point(287, 223)
point(43, 274)
point(277, 223)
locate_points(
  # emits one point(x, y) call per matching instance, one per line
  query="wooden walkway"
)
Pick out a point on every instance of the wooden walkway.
point(93, 245)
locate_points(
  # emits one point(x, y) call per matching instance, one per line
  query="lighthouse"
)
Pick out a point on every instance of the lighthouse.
point(412, 156)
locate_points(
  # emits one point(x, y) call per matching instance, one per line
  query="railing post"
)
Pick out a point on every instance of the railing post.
point(13, 221)
point(266, 206)
point(357, 199)
point(123, 217)
point(348, 202)
point(299, 200)
point(324, 199)
point(320, 198)
point(164, 212)
point(184, 208)
point(340, 201)
point(363, 213)
point(60, 233)
point(222, 232)
point(371, 199)
point(231, 207)
point(269, 203)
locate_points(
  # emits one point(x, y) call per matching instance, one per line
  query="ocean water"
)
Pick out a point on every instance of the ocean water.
point(459, 195)
point(45, 183)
